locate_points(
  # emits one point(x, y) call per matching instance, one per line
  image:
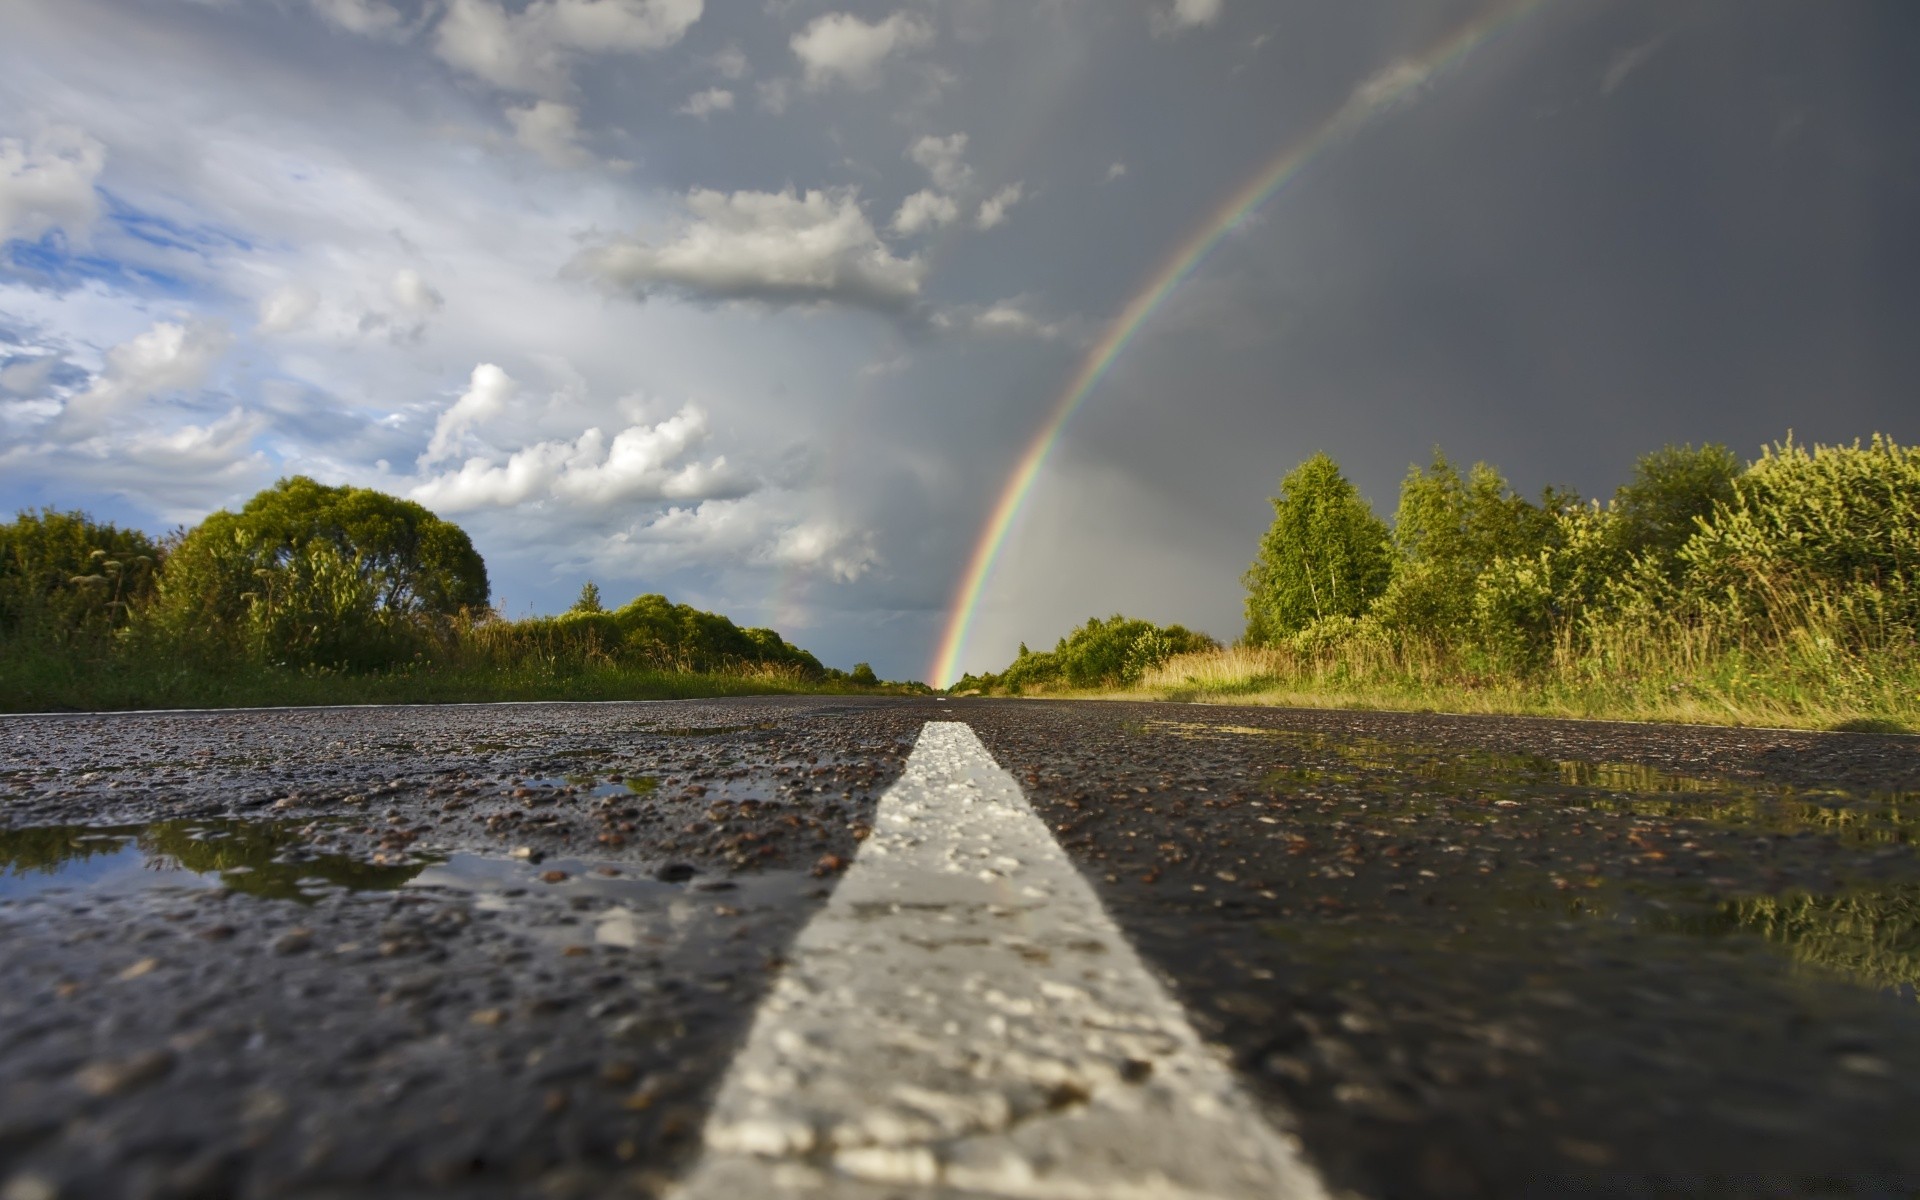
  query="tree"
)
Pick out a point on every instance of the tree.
point(863, 675)
point(1325, 555)
point(1673, 490)
point(589, 601)
point(373, 564)
point(1448, 530)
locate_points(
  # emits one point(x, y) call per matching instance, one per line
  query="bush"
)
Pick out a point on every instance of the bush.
point(66, 578)
point(1101, 653)
point(863, 675)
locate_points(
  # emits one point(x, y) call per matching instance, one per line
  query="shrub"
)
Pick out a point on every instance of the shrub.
point(66, 577)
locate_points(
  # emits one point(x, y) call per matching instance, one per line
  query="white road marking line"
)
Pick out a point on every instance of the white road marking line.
point(963, 1018)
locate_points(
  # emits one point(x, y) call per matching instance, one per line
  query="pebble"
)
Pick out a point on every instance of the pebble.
point(144, 967)
point(111, 1077)
point(293, 941)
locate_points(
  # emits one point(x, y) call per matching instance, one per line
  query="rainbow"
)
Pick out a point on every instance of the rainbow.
point(1377, 95)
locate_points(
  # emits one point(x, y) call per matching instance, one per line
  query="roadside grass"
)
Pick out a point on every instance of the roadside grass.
point(1802, 682)
point(44, 682)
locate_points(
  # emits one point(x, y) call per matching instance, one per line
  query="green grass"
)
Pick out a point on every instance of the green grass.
point(1796, 683)
point(33, 681)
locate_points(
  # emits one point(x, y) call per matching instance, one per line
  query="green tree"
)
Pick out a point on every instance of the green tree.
point(863, 675)
point(1673, 490)
point(589, 601)
point(1325, 555)
point(407, 566)
point(1449, 529)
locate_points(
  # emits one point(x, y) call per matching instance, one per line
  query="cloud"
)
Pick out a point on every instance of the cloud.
point(993, 210)
point(368, 18)
point(730, 63)
point(28, 376)
point(925, 209)
point(1182, 15)
point(702, 104)
point(758, 529)
point(826, 548)
point(530, 51)
point(48, 183)
point(640, 463)
point(551, 130)
point(169, 357)
point(841, 48)
point(287, 309)
point(776, 247)
point(775, 95)
point(1115, 171)
point(489, 391)
point(1390, 84)
point(1628, 61)
point(1004, 317)
point(414, 294)
point(220, 446)
point(944, 160)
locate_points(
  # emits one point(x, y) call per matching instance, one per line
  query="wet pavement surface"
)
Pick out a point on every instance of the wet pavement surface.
point(475, 950)
point(1500, 957)
point(511, 949)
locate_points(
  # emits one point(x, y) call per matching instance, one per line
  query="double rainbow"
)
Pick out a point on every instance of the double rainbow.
point(1372, 98)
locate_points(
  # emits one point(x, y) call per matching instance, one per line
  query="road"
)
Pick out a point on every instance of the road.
point(561, 950)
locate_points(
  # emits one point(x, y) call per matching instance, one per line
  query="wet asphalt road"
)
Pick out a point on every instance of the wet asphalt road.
point(501, 950)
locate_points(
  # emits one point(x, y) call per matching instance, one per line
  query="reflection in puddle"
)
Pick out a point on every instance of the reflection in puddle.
point(1822, 876)
point(565, 901)
point(271, 859)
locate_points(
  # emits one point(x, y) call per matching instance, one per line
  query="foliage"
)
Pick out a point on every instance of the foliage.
point(312, 594)
point(1782, 592)
point(409, 567)
point(1448, 530)
point(1102, 653)
point(66, 579)
point(1325, 555)
point(862, 674)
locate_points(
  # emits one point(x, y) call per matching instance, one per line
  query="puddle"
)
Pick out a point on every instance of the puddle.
point(625, 905)
point(271, 859)
point(1635, 789)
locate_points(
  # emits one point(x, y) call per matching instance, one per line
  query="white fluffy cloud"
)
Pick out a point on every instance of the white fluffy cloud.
point(993, 210)
point(826, 548)
point(1186, 14)
point(776, 247)
point(842, 48)
point(925, 209)
point(944, 159)
point(169, 357)
point(47, 183)
point(640, 463)
point(489, 391)
point(368, 18)
point(551, 130)
point(712, 100)
point(529, 51)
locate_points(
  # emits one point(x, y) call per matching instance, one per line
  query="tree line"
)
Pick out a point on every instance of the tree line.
point(1817, 541)
point(308, 578)
point(1793, 575)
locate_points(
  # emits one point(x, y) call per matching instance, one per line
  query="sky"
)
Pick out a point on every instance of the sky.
point(759, 303)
